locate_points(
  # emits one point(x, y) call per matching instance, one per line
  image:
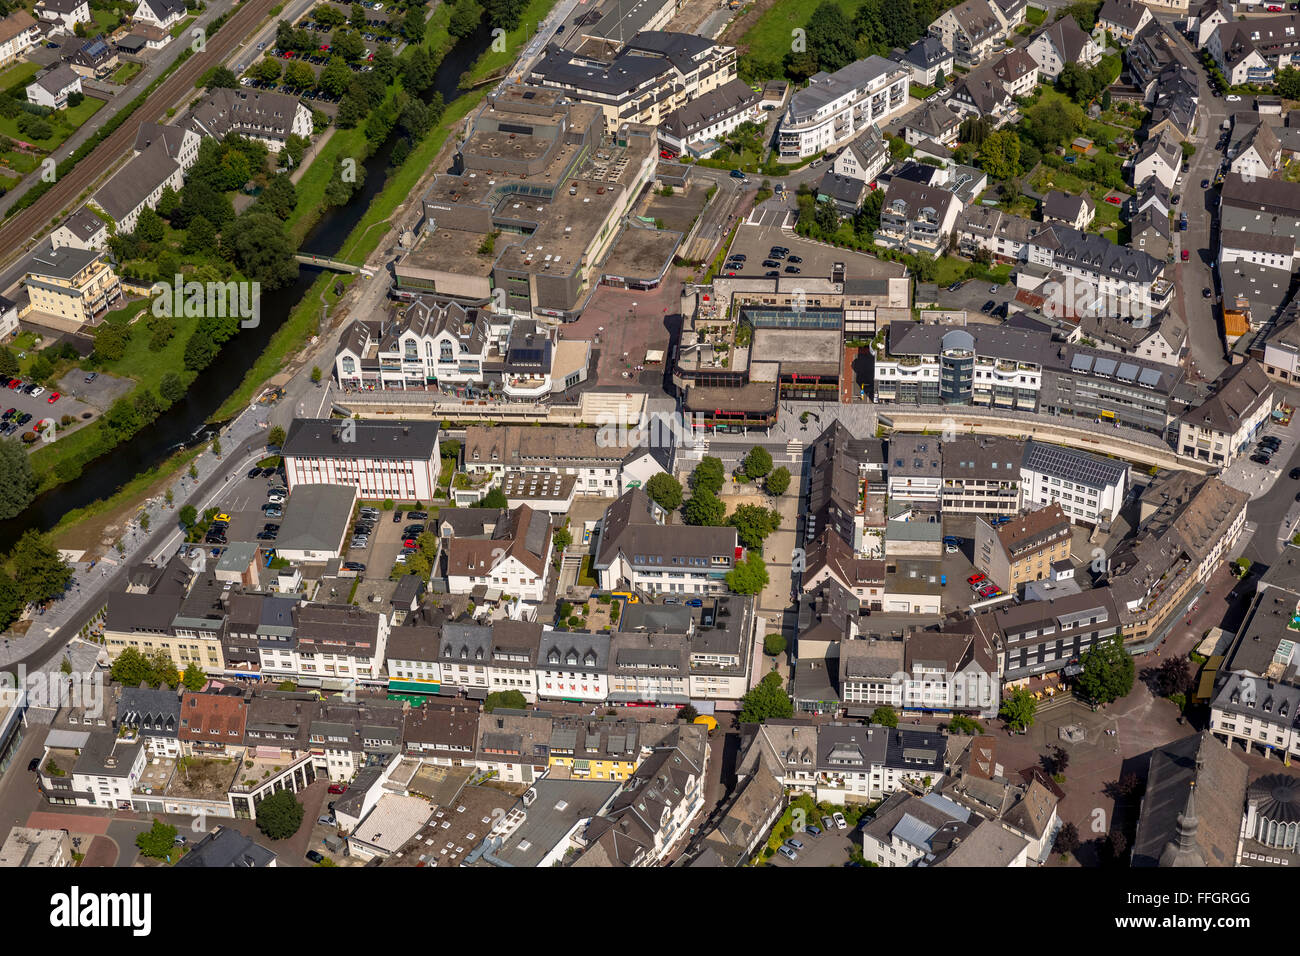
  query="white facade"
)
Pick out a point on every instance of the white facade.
point(1051, 60)
point(56, 99)
point(24, 36)
point(1232, 249)
point(836, 108)
point(162, 17)
point(379, 478)
point(64, 21)
point(112, 789)
point(1250, 165)
point(1081, 501)
point(510, 574)
point(571, 676)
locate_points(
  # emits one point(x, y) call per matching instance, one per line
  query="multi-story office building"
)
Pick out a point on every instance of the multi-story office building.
point(981, 476)
point(1088, 488)
point(398, 460)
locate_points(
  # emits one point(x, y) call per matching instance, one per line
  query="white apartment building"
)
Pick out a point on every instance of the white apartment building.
point(1256, 248)
point(1221, 428)
point(62, 16)
point(573, 665)
point(836, 108)
point(1089, 489)
point(398, 460)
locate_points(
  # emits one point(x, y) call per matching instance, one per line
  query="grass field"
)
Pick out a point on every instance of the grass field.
point(125, 73)
point(491, 61)
point(768, 40)
point(18, 74)
point(63, 123)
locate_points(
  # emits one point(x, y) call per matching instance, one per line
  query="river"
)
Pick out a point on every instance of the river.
point(186, 422)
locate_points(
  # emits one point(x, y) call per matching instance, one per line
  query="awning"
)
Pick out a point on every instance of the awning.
point(336, 683)
point(704, 706)
point(414, 686)
point(308, 682)
point(477, 693)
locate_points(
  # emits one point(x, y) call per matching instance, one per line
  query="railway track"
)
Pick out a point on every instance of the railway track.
point(17, 232)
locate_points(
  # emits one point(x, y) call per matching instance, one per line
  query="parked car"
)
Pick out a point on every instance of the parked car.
point(360, 568)
point(314, 856)
point(417, 516)
point(788, 853)
point(975, 578)
point(813, 831)
point(1234, 98)
point(255, 473)
point(337, 788)
point(54, 397)
point(840, 822)
point(1260, 459)
point(794, 844)
point(1186, 255)
point(1115, 200)
point(326, 821)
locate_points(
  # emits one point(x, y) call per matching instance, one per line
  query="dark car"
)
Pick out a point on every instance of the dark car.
point(1261, 459)
point(314, 856)
point(792, 270)
point(988, 306)
point(359, 568)
point(739, 256)
point(255, 473)
point(266, 536)
point(271, 526)
point(1205, 184)
point(411, 530)
point(417, 516)
point(34, 764)
point(796, 259)
point(1206, 293)
point(771, 264)
point(397, 516)
point(1295, 474)
point(24, 418)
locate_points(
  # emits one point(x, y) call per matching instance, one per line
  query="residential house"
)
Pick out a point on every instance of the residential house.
point(94, 59)
point(1224, 425)
point(836, 108)
point(269, 118)
point(82, 229)
point(1060, 42)
point(933, 121)
point(70, 286)
point(1039, 638)
point(917, 218)
point(846, 193)
point(511, 552)
point(1150, 232)
point(1123, 19)
point(161, 13)
point(1160, 158)
point(864, 158)
point(700, 124)
point(928, 59)
point(972, 31)
point(138, 186)
point(981, 475)
point(62, 16)
point(1075, 211)
point(212, 724)
point(1256, 155)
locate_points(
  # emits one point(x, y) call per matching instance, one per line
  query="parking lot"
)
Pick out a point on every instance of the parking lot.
point(40, 407)
point(243, 502)
point(1257, 479)
point(828, 849)
point(754, 241)
point(385, 543)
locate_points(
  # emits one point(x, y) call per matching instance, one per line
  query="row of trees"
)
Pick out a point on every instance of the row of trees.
point(132, 668)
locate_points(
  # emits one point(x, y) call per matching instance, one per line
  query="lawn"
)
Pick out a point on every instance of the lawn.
point(63, 123)
point(1035, 16)
point(20, 73)
point(125, 73)
point(491, 61)
point(106, 21)
point(768, 40)
point(950, 269)
point(182, 26)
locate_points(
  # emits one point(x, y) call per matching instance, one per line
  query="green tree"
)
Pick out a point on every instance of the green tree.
point(188, 515)
point(267, 70)
point(830, 38)
point(316, 374)
point(171, 388)
point(665, 491)
point(357, 16)
point(778, 481)
point(757, 463)
point(708, 476)
point(749, 576)
point(1107, 671)
point(264, 252)
point(961, 724)
point(275, 437)
point(131, 668)
point(298, 75)
point(111, 341)
point(8, 361)
point(885, 717)
point(753, 523)
point(219, 77)
point(17, 480)
point(158, 842)
point(774, 644)
point(496, 498)
point(767, 701)
point(280, 815)
point(11, 602)
point(40, 572)
point(509, 699)
point(336, 77)
point(562, 539)
point(1018, 709)
point(465, 17)
point(1000, 155)
point(705, 509)
point(413, 23)
point(162, 670)
point(279, 197)
point(216, 446)
point(1066, 840)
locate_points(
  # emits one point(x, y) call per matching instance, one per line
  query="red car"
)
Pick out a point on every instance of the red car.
point(1114, 200)
point(16, 383)
point(989, 591)
point(54, 397)
point(1186, 255)
point(1274, 9)
point(409, 543)
point(338, 788)
point(975, 579)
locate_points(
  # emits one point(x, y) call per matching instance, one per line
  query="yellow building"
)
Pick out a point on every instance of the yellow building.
point(590, 749)
point(1023, 549)
point(74, 285)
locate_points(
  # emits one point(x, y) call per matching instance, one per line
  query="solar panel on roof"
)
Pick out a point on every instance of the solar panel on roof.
point(1081, 363)
point(1104, 366)
point(1149, 376)
point(1127, 372)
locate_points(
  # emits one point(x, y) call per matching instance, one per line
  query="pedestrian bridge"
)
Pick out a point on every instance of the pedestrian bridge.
point(337, 265)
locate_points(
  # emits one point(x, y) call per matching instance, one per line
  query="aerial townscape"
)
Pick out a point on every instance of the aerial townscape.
point(649, 433)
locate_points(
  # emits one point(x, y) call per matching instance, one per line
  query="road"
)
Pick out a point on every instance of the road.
point(17, 233)
point(1204, 338)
